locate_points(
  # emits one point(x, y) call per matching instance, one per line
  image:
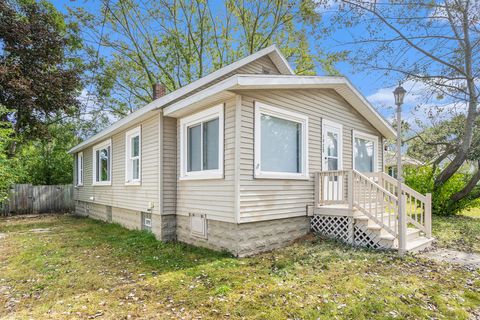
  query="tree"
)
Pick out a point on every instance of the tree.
point(432, 43)
point(174, 42)
point(7, 176)
point(39, 78)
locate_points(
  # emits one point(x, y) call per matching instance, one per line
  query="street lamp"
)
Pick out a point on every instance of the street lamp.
point(399, 95)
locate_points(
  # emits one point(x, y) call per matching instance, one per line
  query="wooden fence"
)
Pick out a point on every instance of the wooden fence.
point(27, 199)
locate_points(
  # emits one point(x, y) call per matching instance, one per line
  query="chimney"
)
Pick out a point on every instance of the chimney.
point(159, 90)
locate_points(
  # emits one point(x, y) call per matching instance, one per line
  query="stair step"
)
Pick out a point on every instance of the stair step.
point(419, 244)
point(412, 234)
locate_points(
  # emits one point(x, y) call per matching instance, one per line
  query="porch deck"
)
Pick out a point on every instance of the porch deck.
point(362, 209)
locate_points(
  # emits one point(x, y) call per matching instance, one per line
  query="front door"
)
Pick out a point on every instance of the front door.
point(332, 160)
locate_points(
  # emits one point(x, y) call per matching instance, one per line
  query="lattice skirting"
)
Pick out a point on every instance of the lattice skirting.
point(347, 230)
point(338, 227)
point(365, 237)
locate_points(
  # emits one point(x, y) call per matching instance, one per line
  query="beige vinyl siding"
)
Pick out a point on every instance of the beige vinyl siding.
point(254, 67)
point(213, 197)
point(169, 165)
point(263, 199)
point(118, 194)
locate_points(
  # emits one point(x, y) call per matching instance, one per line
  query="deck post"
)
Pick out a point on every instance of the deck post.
point(317, 189)
point(350, 190)
point(402, 224)
point(428, 215)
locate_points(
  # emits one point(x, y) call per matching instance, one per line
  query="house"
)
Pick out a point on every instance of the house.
point(247, 159)
point(391, 163)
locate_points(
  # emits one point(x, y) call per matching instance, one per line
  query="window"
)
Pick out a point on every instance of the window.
point(365, 152)
point(102, 163)
point(201, 139)
point(280, 143)
point(79, 169)
point(133, 157)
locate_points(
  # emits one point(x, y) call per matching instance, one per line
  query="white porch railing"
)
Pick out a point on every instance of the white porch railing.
point(418, 206)
point(376, 196)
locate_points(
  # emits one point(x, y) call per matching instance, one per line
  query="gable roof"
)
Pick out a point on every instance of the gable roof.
point(175, 103)
point(259, 81)
point(272, 52)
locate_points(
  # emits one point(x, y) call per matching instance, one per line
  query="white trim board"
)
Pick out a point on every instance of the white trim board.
point(272, 51)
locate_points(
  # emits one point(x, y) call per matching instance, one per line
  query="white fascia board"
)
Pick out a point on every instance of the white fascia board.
point(245, 82)
point(272, 51)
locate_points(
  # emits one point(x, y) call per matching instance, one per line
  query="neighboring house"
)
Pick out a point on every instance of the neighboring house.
point(391, 163)
point(233, 160)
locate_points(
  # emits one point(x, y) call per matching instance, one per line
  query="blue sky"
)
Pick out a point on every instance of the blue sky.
point(374, 86)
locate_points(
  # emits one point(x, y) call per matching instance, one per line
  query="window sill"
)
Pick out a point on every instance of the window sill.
point(78, 185)
point(134, 183)
point(206, 176)
point(103, 183)
point(281, 176)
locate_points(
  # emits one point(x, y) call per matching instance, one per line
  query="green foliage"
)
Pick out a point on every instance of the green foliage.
point(39, 77)
point(6, 170)
point(46, 161)
point(422, 180)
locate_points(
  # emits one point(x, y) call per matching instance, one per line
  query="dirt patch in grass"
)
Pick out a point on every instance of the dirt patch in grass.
point(88, 269)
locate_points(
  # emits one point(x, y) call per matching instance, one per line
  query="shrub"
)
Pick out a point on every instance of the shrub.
point(421, 179)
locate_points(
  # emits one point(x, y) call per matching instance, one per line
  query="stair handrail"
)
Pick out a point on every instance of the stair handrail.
point(385, 204)
point(418, 206)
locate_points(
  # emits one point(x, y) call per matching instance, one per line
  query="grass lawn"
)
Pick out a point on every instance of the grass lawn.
point(81, 268)
point(460, 232)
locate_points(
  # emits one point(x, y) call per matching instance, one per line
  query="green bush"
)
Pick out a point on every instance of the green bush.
point(421, 179)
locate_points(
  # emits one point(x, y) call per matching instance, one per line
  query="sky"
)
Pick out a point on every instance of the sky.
point(374, 86)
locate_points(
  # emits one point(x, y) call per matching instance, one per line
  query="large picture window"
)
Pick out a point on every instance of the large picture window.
point(133, 157)
point(202, 144)
point(102, 163)
point(281, 149)
point(365, 149)
point(79, 169)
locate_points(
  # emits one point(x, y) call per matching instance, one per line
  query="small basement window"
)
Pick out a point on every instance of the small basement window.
point(102, 163)
point(198, 225)
point(146, 221)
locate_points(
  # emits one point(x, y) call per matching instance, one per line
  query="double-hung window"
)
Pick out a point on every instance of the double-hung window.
point(281, 150)
point(102, 163)
point(79, 170)
point(365, 151)
point(201, 145)
point(133, 156)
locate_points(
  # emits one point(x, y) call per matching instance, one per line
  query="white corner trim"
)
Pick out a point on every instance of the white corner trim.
point(370, 137)
point(262, 108)
point(196, 118)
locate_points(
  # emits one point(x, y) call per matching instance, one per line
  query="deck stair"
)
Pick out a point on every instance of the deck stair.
point(363, 210)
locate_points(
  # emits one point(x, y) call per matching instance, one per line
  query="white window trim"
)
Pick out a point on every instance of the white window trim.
point(262, 108)
point(370, 137)
point(329, 123)
point(80, 170)
point(128, 147)
point(202, 116)
point(104, 144)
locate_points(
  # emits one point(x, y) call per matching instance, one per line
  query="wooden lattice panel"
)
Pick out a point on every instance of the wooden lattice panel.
point(365, 237)
point(339, 227)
